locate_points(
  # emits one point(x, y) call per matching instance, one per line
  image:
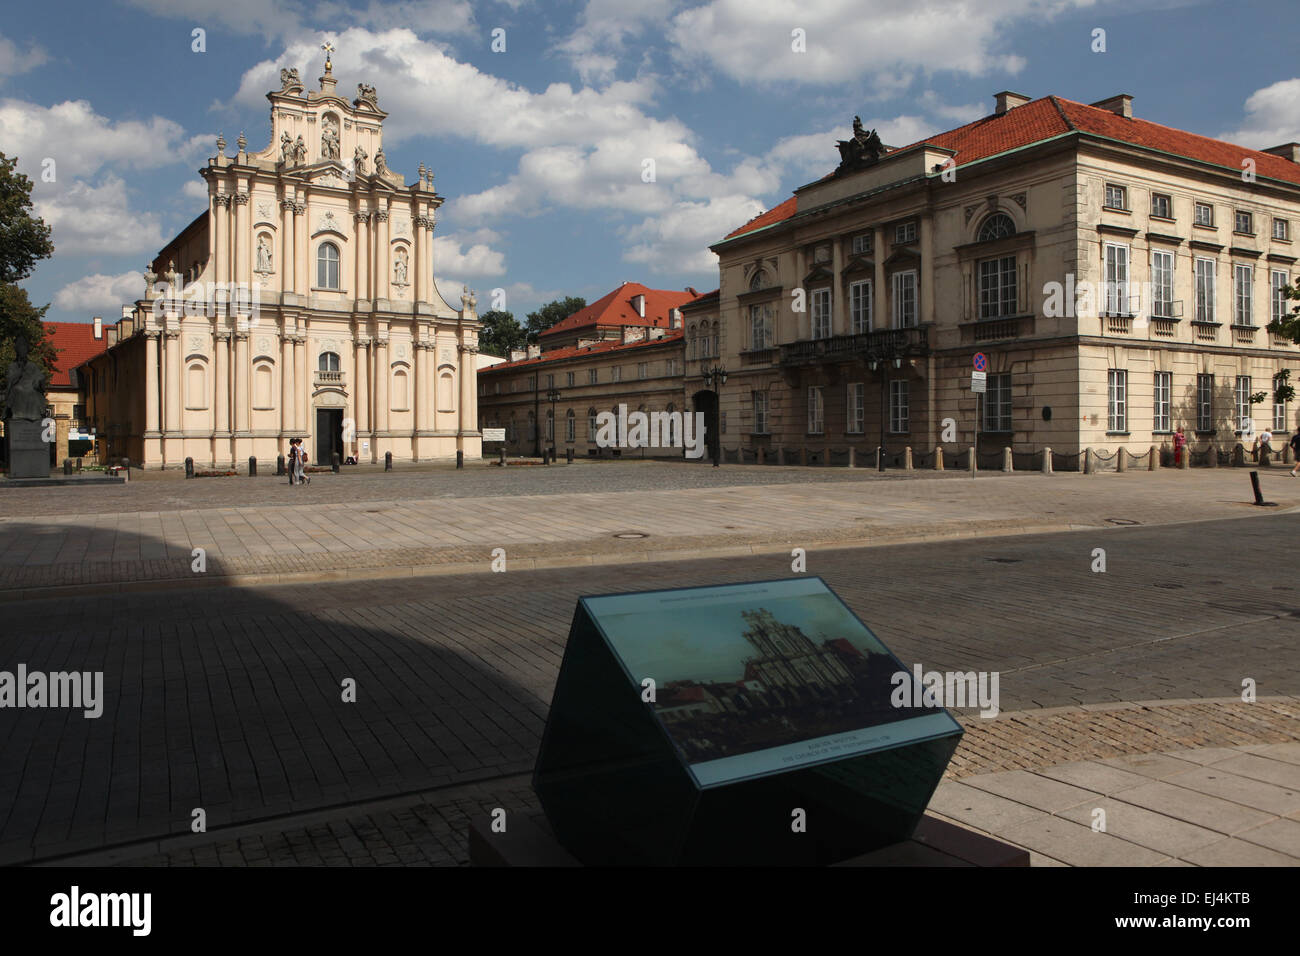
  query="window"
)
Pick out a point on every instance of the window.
point(904, 299)
point(1242, 302)
point(996, 226)
point(532, 383)
point(1162, 392)
point(1278, 282)
point(997, 287)
point(328, 362)
point(1241, 397)
point(760, 412)
point(1117, 400)
point(1205, 290)
point(1116, 196)
point(550, 381)
point(898, 417)
point(1204, 403)
point(642, 369)
point(1244, 222)
point(616, 373)
point(862, 244)
point(592, 427)
point(1117, 279)
point(1279, 408)
point(904, 233)
point(569, 379)
point(816, 417)
point(860, 306)
point(670, 367)
point(821, 313)
point(759, 281)
point(856, 408)
point(1162, 206)
point(722, 422)
point(1282, 229)
point(570, 426)
point(1162, 284)
point(716, 342)
point(760, 327)
point(997, 403)
point(593, 376)
point(327, 266)
point(1204, 214)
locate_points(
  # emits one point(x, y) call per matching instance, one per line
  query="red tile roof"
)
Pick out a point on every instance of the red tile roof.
point(616, 309)
point(1050, 116)
point(74, 343)
point(556, 355)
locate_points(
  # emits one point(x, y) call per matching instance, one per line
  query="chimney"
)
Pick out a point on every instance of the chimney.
point(1006, 100)
point(1120, 104)
point(675, 318)
point(518, 355)
point(99, 327)
point(1289, 151)
point(691, 290)
point(638, 303)
point(534, 351)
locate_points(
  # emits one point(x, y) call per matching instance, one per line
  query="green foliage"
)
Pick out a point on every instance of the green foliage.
point(19, 317)
point(551, 313)
point(1289, 325)
point(1283, 390)
point(501, 333)
point(24, 238)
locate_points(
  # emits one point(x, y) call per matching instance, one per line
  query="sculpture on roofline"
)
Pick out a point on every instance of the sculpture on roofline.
point(863, 149)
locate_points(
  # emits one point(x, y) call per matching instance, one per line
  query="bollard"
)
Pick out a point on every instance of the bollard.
point(279, 465)
point(1120, 464)
point(67, 466)
point(880, 458)
point(189, 467)
point(460, 458)
point(1087, 461)
point(388, 461)
point(1254, 484)
point(334, 462)
point(853, 457)
point(79, 466)
point(971, 455)
point(1008, 462)
point(252, 467)
point(501, 455)
point(1186, 463)
point(546, 457)
point(938, 458)
point(568, 456)
point(1153, 459)
point(907, 458)
point(1263, 457)
point(1047, 460)
point(1239, 455)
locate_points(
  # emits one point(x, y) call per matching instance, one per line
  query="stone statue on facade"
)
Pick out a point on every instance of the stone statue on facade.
point(329, 142)
point(359, 157)
point(263, 255)
point(381, 163)
point(299, 150)
point(399, 268)
point(289, 80)
point(863, 149)
point(366, 94)
point(286, 149)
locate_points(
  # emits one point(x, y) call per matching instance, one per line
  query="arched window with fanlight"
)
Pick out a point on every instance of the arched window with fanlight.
point(591, 424)
point(327, 266)
point(759, 281)
point(570, 426)
point(328, 362)
point(997, 226)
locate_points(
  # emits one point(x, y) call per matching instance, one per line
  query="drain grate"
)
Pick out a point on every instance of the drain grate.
point(1122, 521)
point(1006, 560)
point(627, 535)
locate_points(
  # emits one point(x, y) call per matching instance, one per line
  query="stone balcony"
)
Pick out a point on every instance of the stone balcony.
point(864, 346)
point(329, 379)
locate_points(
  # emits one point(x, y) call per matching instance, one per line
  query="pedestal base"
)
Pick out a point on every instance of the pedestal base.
point(29, 456)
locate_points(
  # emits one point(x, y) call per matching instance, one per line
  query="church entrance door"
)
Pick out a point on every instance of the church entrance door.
point(329, 434)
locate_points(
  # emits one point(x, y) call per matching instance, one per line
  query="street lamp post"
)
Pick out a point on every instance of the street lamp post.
point(716, 377)
point(553, 395)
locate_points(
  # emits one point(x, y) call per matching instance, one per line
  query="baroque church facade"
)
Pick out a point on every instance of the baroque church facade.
point(302, 303)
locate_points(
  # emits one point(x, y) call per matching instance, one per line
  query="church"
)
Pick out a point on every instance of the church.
point(302, 303)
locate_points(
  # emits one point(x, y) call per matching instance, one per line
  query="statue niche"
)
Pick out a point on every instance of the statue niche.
point(329, 137)
point(864, 149)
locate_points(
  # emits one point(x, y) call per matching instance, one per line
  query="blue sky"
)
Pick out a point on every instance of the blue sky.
point(540, 149)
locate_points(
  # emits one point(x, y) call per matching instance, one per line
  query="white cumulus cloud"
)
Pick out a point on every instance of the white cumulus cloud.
point(100, 293)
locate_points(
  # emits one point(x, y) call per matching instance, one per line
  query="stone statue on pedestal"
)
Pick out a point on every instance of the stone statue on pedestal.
point(25, 404)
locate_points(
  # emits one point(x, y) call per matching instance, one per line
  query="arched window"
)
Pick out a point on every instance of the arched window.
point(570, 427)
point(401, 392)
point(759, 281)
point(328, 362)
point(550, 424)
point(717, 342)
point(327, 266)
point(996, 226)
point(591, 424)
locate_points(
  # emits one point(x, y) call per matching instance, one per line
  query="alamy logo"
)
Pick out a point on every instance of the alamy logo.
point(75, 689)
point(74, 908)
point(953, 689)
point(653, 430)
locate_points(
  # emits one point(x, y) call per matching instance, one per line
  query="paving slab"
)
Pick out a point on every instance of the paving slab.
point(1147, 828)
point(977, 807)
point(1079, 845)
point(1195, 807)
point(1095, 776)
point(1245, 791)
point(1033, 790)
point(1238, 853)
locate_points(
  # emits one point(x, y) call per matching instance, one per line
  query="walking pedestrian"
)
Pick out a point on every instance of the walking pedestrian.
point(292, 460)
point(1295, 450)
point(303, 477)
point(1180, 443)
point(1265, 452)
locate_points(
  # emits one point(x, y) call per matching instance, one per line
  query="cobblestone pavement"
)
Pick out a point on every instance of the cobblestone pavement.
point(229, 699)
point(341, 527)
point(995, 786)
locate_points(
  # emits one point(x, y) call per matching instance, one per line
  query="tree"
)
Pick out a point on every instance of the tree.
point(19, 317)
point(24, 238)
point(551, 313)
point(501, 333)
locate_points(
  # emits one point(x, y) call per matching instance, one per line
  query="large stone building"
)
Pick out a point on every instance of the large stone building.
point(851, 313)
point(309, 308)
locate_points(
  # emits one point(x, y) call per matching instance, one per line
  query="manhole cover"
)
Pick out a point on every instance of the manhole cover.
point(1006, 560)
point(631, 534)
point(1123, 521)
